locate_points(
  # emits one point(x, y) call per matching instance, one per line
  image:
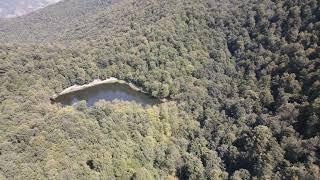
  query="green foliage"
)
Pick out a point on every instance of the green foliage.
point(243, 78)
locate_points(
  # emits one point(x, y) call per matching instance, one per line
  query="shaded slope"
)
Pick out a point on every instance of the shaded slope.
point(14, 8)
point(51, 23)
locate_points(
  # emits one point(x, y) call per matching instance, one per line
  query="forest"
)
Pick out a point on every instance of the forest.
point(242, 76)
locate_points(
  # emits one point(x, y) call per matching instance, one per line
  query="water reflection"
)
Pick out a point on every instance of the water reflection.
point(108, 92)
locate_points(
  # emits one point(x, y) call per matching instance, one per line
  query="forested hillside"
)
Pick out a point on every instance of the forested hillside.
point(14, 8)
point(242, 76)
point(59, 21)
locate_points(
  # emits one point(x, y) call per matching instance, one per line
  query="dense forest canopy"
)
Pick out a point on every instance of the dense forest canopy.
point(243, 77)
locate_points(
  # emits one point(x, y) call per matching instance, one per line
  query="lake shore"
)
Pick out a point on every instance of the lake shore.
point(96, 82)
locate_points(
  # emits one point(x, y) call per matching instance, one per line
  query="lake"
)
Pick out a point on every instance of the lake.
point(108, 92)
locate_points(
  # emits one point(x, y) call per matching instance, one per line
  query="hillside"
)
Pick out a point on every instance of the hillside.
point(243, 80)
point(54, 22)
point(14, 8)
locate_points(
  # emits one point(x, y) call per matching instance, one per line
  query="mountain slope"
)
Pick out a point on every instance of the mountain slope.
point(14, 8)
point(53, 22)
point(242, 76)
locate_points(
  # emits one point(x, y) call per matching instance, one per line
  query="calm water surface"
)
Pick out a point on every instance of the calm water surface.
point(108, 92)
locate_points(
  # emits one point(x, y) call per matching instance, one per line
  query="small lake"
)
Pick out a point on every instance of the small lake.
point(108, 92)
